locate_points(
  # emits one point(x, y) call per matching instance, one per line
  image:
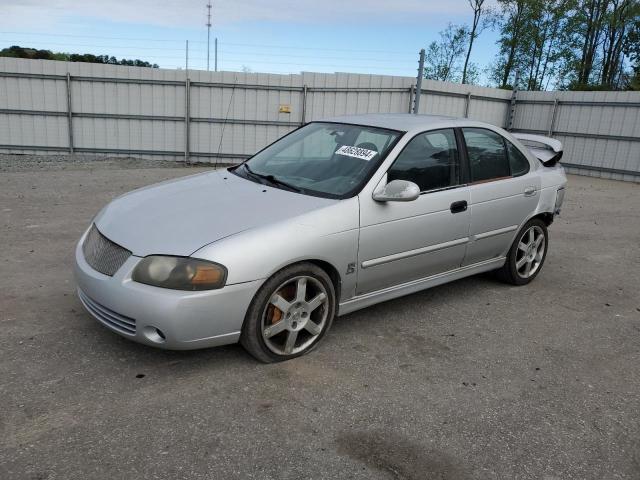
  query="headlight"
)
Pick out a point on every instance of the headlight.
point(179, 273)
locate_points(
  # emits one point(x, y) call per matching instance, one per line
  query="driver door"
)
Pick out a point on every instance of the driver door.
point(405, 241)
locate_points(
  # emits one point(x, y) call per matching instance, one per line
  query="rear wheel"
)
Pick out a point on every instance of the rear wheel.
point(290, 314)
point(527, 254)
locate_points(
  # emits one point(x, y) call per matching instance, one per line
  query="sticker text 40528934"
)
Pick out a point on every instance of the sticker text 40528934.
point(356, 152)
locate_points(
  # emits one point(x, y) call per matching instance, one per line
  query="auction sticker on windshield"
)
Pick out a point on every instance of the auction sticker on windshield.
point(356, 152)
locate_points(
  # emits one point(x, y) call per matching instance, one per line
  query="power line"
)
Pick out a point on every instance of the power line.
point(93, 45)
point(142, 39)
point(253, 45)
point(236, 56)
point(235, 52)
point(232, 55)
point(253, 54)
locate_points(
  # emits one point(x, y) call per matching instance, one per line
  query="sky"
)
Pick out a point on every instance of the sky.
point(275, 36)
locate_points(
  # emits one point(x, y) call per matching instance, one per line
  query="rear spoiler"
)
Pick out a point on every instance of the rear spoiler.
point(547, 150)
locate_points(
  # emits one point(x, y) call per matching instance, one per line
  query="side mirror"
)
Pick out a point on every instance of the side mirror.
point(397, 191)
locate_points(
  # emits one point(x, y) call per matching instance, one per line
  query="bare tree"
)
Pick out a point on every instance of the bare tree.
point(476, 28)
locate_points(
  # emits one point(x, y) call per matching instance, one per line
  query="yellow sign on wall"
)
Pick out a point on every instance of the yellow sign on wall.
point(285, 108)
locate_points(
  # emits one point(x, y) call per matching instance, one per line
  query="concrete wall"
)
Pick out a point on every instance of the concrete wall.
point(48, 106)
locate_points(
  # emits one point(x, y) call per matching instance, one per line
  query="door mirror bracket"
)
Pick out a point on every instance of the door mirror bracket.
point(396, 191)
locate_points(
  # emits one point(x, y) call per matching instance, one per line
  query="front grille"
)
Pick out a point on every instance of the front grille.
point(102, 254)
point(108, 317)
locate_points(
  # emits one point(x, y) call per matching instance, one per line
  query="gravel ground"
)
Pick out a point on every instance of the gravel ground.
point(471, 380)
point(30, 163)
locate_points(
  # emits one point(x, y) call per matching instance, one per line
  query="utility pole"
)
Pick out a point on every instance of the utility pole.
point(186, 58)
point(416, 104)
point(208, 30)
point(215, 58)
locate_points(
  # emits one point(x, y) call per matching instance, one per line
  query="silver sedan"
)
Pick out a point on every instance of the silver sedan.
point(336, 216)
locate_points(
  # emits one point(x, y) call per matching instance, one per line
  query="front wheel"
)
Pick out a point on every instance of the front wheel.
point(290, 314)
point(527, 254)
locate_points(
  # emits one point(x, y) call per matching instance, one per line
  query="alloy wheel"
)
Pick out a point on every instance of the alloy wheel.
point(530, 252)
point(295, 315)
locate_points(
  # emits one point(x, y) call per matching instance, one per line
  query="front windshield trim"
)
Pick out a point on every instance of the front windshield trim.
point(315, 193)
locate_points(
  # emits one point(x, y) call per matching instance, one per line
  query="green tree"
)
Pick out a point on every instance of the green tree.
point(513, 24)
point(632, 51)
point(604, 41)
point(16, 51)
point(443, 57)
point(618, 32)
point(547, 41)
point(535, 41)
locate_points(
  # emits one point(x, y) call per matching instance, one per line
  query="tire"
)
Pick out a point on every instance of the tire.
point(524, 261)
point(282, 322)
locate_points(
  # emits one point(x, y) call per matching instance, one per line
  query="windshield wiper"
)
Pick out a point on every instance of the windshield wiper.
point(271, 179)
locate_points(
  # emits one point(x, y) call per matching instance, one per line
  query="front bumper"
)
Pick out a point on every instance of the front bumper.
point(170, 319)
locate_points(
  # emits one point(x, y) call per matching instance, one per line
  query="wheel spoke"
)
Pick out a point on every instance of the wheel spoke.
point(531, 236)
point(274, 329)
point(316, 301)
point(301, 290)
point(280, 303)
point(539, 241)
point(527, 269)
point(521, 262)
point(313, 328)
point(291, 342)
point(522, 246)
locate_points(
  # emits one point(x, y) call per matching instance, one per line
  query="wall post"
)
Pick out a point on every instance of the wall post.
point(69, 113)
point(416, 104)
point(467, 102)
point(514, 99)
point(187, 114)
point(303, 115)
point(553, 117)
point(412, 90)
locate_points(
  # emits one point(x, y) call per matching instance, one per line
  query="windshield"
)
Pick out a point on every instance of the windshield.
point(325, 159)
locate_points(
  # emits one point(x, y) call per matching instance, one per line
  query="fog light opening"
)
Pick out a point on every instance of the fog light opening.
point(154, 334)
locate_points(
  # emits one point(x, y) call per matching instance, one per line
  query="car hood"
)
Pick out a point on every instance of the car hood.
point(181, 216)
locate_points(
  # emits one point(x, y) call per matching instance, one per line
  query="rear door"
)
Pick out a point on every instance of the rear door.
point(503, 192)
point(404, 241)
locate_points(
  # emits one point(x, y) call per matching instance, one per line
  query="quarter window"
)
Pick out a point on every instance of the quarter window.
point(487, 156)
point(517, 160)
point(430, 160)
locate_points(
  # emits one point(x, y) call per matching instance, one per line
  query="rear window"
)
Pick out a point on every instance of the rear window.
point(487, 155)
point(518, 162)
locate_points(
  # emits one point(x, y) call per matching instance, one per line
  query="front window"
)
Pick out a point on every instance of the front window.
point(429, 160)
point(325, 159)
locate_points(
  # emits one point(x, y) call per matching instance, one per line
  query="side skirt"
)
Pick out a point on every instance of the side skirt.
point(368, 299)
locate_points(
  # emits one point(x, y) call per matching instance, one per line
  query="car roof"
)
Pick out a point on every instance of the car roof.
point(398, 121)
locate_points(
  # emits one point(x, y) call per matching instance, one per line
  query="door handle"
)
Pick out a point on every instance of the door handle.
point(457, 207)
point(529, 191)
